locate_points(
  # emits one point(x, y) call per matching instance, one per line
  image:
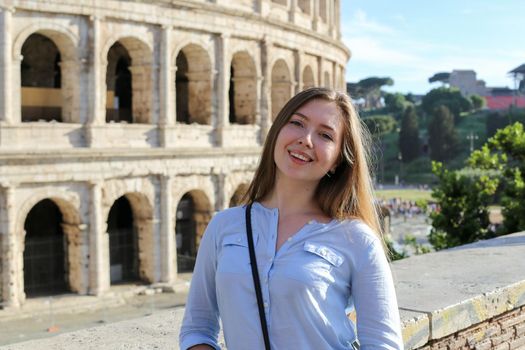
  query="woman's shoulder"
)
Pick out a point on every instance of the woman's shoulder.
point(233, 215)
point(359, 233)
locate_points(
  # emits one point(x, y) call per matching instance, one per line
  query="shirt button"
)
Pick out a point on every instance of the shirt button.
point(265, 305)
point(310, 222)
point(289, 239)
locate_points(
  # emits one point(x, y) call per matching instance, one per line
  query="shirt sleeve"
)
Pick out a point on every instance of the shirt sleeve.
point(378, 323)
point(200, 324)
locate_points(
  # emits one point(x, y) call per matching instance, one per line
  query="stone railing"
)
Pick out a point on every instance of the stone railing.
point(470, 297)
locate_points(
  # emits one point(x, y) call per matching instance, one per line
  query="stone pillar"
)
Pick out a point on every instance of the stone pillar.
point(298, 57)
point(265, 94)
point(142, 94)
point(98, 244)
point(70, 88)
point(167, 83)
point(96, 84)
point(223, 84)
point(315, 16)
point(147, 235)
point(168, 249)
point(337, 15)
point(320, 75)
point(263, 7)
point(11, 254)
point(6, 64)
point(77, 252)
point(292, 11)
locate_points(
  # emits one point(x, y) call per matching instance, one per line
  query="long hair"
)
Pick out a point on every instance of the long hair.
point(346, 194)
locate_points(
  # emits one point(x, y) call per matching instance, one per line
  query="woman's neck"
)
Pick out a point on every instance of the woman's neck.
point(292, 197)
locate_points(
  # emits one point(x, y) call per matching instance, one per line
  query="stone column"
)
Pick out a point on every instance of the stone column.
point(298, 57)
point(96, 84)
point(265, 94)
point(292, 11)
point(315, 16)
point(320, 75)
point(337, 14)
point(6, 79)
point(142, 93)
point(167, 83)
point(70, 87)
point(77, 251)
point(223, 68)
point(168, 251)
point(11, 254)
point(98, 244)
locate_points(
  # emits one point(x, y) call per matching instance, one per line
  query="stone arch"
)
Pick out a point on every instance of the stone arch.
point(281, 86)
point(193, 85)
point(60, 222)
point(193, 213)
point(128, 62)
point(236, 198)
point(327, 80)
point(243, 89)
point(131, 242)
point(41, 51)
point(308, 77)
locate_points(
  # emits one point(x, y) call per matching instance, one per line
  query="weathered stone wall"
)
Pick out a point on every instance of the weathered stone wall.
point(503, 332)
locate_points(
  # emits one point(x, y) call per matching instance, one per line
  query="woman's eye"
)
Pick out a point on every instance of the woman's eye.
point(327, 136)
point(296, 122)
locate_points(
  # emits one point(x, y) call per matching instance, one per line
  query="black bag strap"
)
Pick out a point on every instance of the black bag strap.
point(255, 275)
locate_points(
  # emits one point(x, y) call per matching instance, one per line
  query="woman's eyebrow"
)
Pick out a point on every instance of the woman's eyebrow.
point(325, 126)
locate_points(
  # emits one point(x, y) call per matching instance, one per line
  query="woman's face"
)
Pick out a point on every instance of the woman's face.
point(309, 144)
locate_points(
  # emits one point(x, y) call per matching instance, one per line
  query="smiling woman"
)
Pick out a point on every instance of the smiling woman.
point(316, 241)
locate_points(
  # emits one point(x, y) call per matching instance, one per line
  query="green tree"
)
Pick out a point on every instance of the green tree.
point(395, 104)
point(505, 153)
point(370, 90)
point(478, 102)
point(493, 122)
point(442, 137)
point(443, 77)
point(379, 125)
point(450, 97)
point(463, 198)
point(409, 144)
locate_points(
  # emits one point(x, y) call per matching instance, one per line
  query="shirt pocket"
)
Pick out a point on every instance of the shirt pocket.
point(320, 260)
point(235, 256)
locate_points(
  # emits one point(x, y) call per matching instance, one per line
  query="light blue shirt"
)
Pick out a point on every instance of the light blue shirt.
point(306, 286)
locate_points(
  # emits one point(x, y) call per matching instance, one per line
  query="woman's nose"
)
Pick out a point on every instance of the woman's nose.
point(306, 140)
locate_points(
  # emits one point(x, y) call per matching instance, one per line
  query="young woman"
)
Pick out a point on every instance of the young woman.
point(317, 243)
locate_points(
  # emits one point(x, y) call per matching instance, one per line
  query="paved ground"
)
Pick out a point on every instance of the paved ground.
point(46, 317)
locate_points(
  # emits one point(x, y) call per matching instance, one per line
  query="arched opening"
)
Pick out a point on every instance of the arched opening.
point(281, 86)
point(308, 78)
point(193, 85)
point(243, 89)
point(46, 266)
point(123, 243)
point(237, 196)
point(327, 82)
point(119, 85)
point(192, 216)
point(41, 80)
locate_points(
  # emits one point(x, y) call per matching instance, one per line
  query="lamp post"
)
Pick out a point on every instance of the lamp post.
point(471, 137)
point(400, 158)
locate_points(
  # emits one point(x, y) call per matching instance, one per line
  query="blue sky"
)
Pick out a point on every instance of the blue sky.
point(410, 40)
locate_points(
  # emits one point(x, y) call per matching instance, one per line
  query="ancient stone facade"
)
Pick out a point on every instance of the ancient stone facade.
point(124, 125)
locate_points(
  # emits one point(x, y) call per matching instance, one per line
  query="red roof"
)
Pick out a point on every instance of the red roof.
point(504, 102)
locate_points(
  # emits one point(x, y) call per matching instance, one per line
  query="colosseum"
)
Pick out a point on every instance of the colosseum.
point(124, 125)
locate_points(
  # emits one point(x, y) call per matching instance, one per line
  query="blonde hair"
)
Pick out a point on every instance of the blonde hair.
point(346, 194)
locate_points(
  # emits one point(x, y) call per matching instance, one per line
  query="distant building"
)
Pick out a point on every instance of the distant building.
point(467, 83)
